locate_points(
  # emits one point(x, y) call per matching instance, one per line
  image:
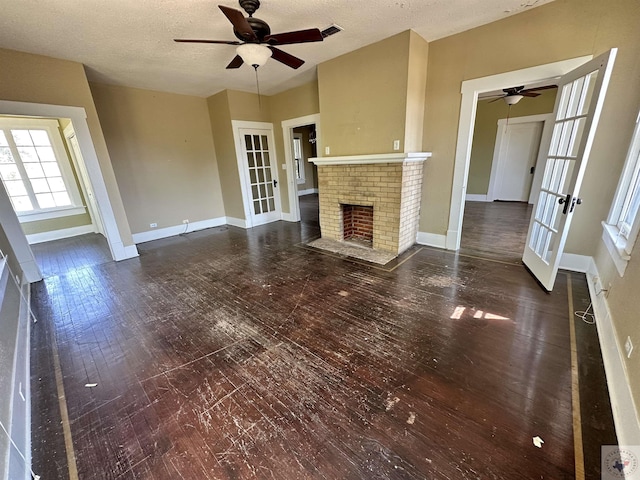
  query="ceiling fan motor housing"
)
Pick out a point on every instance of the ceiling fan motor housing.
point(260, 27)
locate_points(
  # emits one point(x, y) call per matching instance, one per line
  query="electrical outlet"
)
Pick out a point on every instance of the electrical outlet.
point(396, 144)
point(327, 150)
point(153, 225)
point(284, 166)
point(185, 221)
point(628, 347)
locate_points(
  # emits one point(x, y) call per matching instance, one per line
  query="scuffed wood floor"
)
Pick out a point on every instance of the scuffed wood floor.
point(232, 354)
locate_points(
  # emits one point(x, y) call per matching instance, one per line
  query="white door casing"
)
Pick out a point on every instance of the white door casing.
point(578, 106)
point(287, 135)
point(515, 153)
point(258, 170)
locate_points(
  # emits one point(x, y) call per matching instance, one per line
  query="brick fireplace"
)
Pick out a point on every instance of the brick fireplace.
point(389, 186)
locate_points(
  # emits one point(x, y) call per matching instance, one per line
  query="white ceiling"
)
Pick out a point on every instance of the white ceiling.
point(130, 42)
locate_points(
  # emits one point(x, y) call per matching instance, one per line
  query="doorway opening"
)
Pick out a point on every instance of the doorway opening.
point(471, 89)
point(301, 136)
point(503, 163)
point(12, 226)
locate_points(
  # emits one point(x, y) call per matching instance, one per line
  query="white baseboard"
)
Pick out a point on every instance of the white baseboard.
point(431, 239)
point(59, 234)
point(166, 232)
point(624, 409)
point(236, 222)
point(575, 263)
point(308, 191)
point(288, 217)
point(474, 197)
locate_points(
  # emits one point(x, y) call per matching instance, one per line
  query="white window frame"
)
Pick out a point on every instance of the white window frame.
point(300, 161)
point(53, 130)
point(620, 240)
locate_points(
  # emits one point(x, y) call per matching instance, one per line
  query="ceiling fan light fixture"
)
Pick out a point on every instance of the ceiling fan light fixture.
point(254, 54)
point(513, 99)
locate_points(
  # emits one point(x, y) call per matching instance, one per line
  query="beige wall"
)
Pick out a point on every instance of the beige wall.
point(363, 98)
point(38, 79)
point(416, 86)
point(248, 107)
point(553, 32)
point(486, 128)
point(294, 103)
point(220, 118)
point(54, 224)
point(162, 154)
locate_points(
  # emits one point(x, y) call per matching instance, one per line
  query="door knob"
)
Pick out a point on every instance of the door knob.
point(275, 182)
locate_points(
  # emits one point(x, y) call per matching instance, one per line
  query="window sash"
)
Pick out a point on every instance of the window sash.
point(298, 158)
point(623, 223)
point(55, 174)
point(629, 210)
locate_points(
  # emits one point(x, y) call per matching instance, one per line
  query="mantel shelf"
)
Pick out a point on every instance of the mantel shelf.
point(374, 158)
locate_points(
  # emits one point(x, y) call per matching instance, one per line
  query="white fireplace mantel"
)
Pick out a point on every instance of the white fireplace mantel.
point(374, 158)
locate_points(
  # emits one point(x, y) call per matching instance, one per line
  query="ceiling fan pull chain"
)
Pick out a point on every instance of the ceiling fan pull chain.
point(255, 67)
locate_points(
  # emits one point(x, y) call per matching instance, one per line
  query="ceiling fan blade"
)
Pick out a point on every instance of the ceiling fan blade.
point(529, 94)
point(299, 36)
point(240, 23)
point(546, 87)
point(287, 59)
point(223, 42)
point(496, 99)
point(236, 62)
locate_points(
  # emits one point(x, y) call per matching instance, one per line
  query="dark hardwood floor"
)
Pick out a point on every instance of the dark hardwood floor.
point(496, 230)
point(233, 354)
point(310, 210)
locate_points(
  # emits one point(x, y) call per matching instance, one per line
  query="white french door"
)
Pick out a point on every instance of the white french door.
point(258, 170)
point(566, 153)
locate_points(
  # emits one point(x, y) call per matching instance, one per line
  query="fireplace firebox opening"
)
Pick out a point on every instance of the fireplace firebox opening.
point(357, 224)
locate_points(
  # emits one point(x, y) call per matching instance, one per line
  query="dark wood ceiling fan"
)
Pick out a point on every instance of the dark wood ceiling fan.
point(513, 95)
point(251, 30)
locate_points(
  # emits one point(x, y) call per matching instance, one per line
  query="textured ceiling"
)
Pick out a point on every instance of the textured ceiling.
point(127, 42)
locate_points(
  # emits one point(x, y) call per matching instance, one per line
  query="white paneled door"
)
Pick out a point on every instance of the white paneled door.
point(566, 152)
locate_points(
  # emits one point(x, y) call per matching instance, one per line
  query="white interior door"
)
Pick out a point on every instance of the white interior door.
point(260, 176)
point(518, 154)
point(578, 105)
point(85, 184)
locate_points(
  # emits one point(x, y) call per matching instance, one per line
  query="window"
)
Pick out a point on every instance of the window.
point(621, 227)
point(35, 170)
point(298, 157)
